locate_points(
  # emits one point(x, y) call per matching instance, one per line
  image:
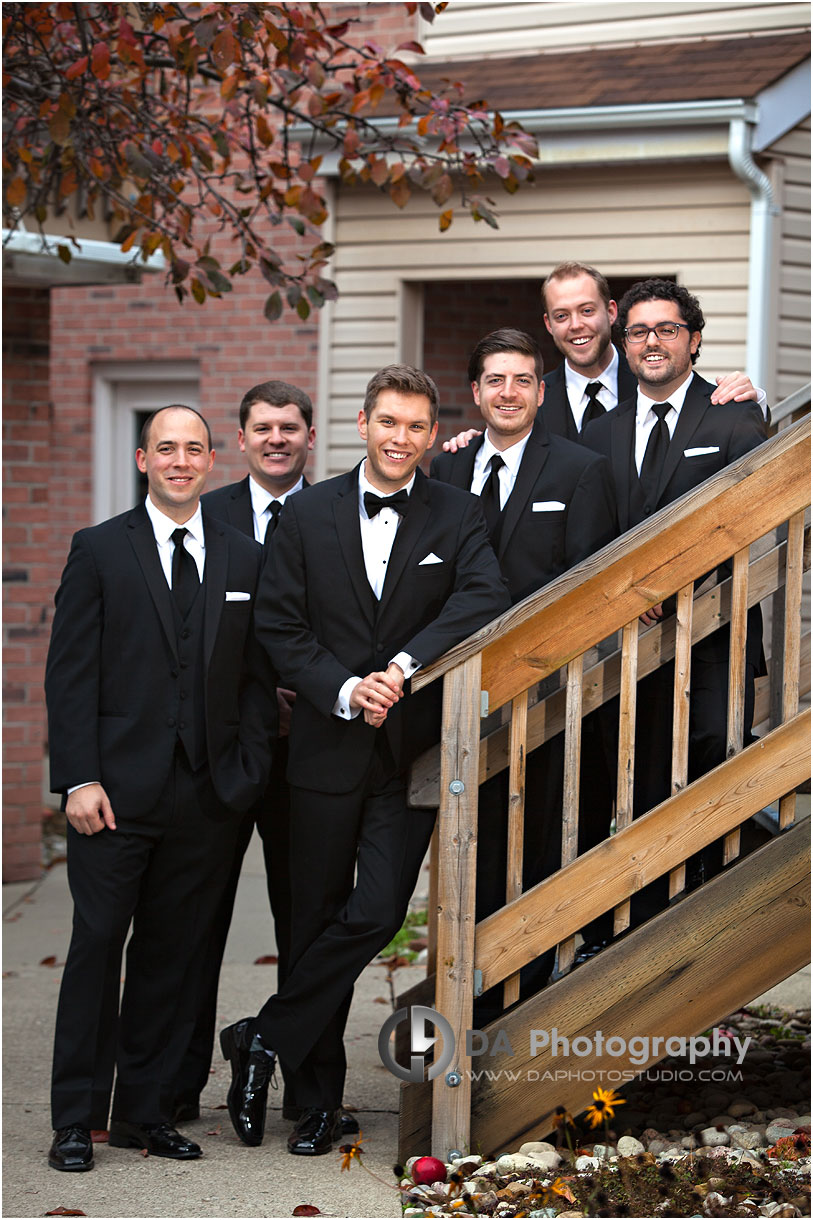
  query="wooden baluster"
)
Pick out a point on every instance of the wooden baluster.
point(736, 678)
point(570, 805)
point(457, 856)
point(432, 906)
point(793, 629)
point(516, 818)
point(626, 749)
point(680, 714)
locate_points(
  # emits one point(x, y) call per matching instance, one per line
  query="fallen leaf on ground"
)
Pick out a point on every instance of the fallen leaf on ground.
point(267, 959)
point(65, 1211)
point(215, 1132)
point(49, 961)
point(99, 1137)
point(306, 1209)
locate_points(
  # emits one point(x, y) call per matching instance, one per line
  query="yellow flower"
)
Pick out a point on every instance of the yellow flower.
point(351, 1152)
point(602, 1109)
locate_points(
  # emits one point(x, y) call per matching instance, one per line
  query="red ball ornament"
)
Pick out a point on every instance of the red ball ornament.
point(428, 1169)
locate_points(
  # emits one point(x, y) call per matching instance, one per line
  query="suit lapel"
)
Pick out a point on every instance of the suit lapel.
point(142, 537)
point(348, 530)
point(461, 467)
point(622, 458)
point(409, 531)
point(691, 413)
point(241, 514)
point(537, 451)
point(556, 406)
point(214, 584)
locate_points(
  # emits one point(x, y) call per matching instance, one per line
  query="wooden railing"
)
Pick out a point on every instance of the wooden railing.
point(751, 514)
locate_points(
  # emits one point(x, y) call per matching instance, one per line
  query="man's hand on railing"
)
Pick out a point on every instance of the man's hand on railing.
point(653, 615)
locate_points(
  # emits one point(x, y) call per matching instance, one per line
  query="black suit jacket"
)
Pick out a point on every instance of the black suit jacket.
point(321, 623)
point(112, 676)
point(232, 503)
point(725, 431)
point(575, 487)
point(556, 407)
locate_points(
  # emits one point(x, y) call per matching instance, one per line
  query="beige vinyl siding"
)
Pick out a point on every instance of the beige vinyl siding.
point(468, 28)
point(793, 350)
point(690, 221)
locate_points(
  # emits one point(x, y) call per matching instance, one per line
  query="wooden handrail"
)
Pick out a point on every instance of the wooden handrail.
point(678, 544)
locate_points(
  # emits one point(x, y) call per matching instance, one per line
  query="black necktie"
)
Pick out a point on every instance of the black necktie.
point(655, 455)
point(185, 579)
point(490, 496)
point(274, 508)
point(594, 409)
point(374, 504)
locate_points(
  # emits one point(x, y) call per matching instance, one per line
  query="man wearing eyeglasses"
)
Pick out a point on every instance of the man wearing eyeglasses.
point(662, 442)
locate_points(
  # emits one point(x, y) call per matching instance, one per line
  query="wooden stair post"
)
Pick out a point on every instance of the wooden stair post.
point(457, 858)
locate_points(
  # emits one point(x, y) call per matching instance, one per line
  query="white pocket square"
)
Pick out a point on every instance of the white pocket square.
point(238, 597)
point(548, 506)
point(430, 558)
point(703, 449)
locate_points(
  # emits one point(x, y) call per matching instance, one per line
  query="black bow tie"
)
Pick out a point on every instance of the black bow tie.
point(373, 504)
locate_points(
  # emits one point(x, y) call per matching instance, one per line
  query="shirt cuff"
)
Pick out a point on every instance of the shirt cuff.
point(76, 787)
point(762, 401)
point(342, 706)
point(407, 663)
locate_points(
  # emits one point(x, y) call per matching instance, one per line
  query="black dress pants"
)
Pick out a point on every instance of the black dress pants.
point(164, 874)
point(271, 816)
point(338, 923)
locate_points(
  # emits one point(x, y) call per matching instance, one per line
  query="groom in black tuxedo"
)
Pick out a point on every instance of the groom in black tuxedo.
point(161, 716)
point(372, 575)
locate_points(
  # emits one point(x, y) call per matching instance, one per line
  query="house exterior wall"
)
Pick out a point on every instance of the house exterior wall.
point(468, 28)
point(792, 155)
point(28, 519)
point(695, 225)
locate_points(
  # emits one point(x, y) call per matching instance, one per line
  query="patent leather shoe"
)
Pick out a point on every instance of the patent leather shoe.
point(589, 950)
point(314, 1133)
point(348, 1123)
point(159, 1139)
point(72, 1150)
point(252, 1070)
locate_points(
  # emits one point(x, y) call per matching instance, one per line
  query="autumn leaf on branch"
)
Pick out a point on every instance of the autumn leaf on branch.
point(185, 125)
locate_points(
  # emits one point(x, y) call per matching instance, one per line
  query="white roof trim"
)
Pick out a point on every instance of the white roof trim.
point(32, 256)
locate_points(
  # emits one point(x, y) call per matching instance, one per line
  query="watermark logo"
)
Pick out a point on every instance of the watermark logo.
point(419, 1043)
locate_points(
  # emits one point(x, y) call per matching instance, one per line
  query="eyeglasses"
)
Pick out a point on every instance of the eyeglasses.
point(664, 330)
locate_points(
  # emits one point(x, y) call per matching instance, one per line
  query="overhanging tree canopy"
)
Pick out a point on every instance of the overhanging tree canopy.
point(187, 120)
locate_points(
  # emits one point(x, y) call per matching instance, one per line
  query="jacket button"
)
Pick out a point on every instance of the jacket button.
point(171, 722)
point(173, 673)
point(181, 724)
point(185, 634)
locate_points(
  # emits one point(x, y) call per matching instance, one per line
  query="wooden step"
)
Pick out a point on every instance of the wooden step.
point(691, 966)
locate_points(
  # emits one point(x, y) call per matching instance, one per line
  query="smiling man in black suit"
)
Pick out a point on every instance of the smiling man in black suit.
point(161, 717)
point(662, 442)
point(550, 504)
point(276, 433)
point(372, 575)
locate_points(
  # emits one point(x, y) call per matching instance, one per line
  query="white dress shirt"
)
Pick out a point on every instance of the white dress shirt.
point(377, 539)
point(645, 417)
point(512, 456)
point(576, 385)
point(260, 501)
point(163, 527)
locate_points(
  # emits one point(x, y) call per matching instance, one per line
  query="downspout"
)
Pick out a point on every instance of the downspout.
point(761, 331)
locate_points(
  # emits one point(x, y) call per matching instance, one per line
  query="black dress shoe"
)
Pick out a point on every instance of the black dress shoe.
point(185, 1111)
point(314, 1133)
point(158, 1138)
point(589, 950)
point(348, 1125)
point(72, 1150)
point(252, 1069)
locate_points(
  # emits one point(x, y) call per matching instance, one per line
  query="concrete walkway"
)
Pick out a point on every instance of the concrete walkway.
point(230, 1179)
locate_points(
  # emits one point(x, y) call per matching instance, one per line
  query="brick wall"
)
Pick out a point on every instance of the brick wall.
point(29, 459)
